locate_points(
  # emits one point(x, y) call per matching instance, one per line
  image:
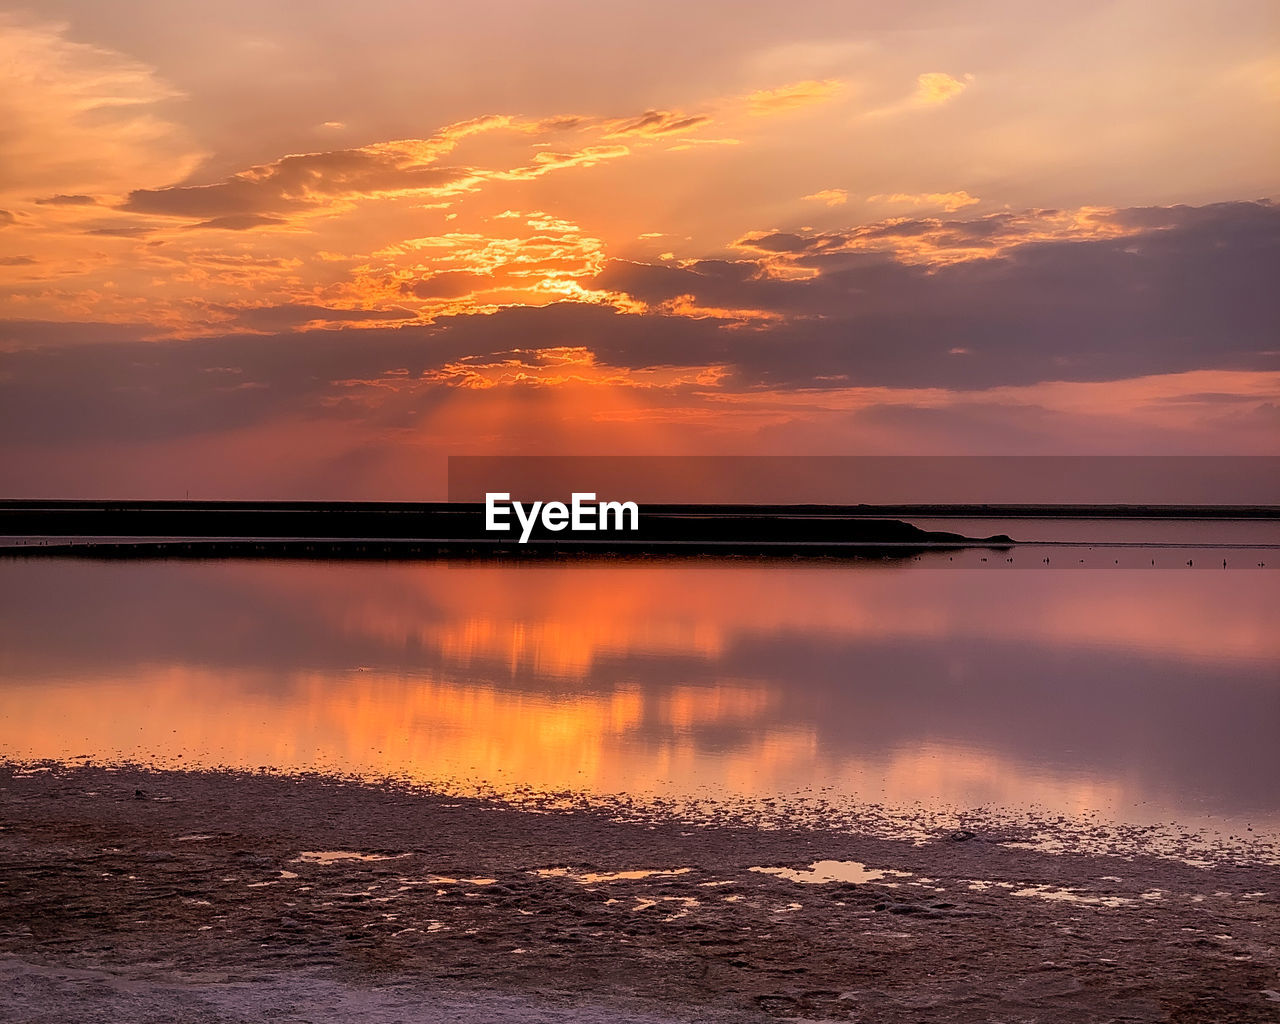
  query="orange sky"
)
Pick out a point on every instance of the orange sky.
point(248, 251)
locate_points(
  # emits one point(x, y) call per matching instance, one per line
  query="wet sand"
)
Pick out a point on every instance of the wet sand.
point(140, 895)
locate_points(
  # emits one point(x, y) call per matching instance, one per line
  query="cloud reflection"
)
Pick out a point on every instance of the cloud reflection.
point(1125, 691)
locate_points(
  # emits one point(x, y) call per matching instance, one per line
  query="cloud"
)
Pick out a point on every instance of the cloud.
point(936, 240)
point(547, 161)
point(1053, 318)
point(934, 88)
point(949, 201)
point(791, 97)
point(141, 391)
point(303, 182)
point(1031, 297)
point(275, 318)
point(67, 201)
point(654, 123)
point(830, 196)
point(451, 284)
point(240, 222)
point(121, 230)
point(532, 258)
point(559, 365)
point(80, 118)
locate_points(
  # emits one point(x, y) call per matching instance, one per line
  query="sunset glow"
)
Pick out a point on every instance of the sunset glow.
point(661, 678)
point(231, 266)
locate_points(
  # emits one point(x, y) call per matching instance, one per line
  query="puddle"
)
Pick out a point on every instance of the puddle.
point(687, 903)
point(1049, 892)
point(823, 872)
point(334, 856)
point(595, 877)
point(446, 880)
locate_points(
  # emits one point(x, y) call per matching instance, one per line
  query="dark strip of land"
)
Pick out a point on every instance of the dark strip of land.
point(434, 530)
point(13, 507)
point(412, 530)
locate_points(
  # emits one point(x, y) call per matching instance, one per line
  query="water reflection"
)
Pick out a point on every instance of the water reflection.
point(1149, 696)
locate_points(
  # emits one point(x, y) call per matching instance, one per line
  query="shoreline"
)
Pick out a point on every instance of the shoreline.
point(459, 531)
point(499, 551)
point(195, 883)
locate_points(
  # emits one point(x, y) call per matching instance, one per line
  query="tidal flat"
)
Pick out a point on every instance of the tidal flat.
point(129, 893)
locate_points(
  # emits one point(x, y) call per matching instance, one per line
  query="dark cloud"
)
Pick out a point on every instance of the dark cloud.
point(296, 182)
point(24, 334)
point(239, 222)
point(449, 284)
point(52, 391)
point(16, 261)
point(1214, 216)
point(905, 228)
point(122, 231)
point(67, 201)
point(6, 218)
point(1208, 398)
point(1192, 291)
point(275, 318)
point(782, 241)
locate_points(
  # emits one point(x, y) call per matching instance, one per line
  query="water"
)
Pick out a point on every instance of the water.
point(1142, 696)
point(1119, 543)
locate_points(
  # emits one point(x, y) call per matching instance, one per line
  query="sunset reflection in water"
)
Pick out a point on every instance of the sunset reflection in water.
point(1148, 696)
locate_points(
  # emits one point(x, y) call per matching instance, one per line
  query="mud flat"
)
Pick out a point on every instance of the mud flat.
point(129, 894)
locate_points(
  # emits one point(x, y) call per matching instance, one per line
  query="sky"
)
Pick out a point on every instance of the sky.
point(253, 250)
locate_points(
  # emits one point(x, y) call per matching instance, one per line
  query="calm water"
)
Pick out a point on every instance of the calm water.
point(1145, 695)
point(1123, 543)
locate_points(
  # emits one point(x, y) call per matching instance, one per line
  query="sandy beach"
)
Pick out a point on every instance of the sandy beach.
point(129, 894)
